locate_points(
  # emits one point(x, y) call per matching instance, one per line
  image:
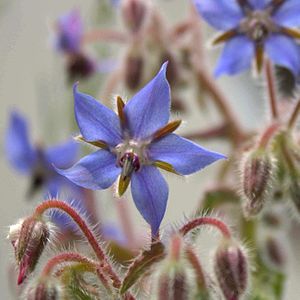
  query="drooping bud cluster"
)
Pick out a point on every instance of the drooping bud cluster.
point(257, 169)
point(29, 238)
point(231, 269)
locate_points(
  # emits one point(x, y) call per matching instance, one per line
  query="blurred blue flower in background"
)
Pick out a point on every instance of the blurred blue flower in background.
point(36, 161)
point(69, 32)
point(252, 28)
point(133, 145)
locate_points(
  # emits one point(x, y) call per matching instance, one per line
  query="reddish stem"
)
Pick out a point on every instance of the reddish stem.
point(52, 204)
point(126, 221)
point(106, 35)
point(67, 257)
point(294, 116)
point(218, 131)
point(206, 221)
point(268, 134)
point(271, 90)
point(56, 204)
point(195, 263)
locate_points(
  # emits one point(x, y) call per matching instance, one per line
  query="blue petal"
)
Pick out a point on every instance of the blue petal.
point(288, 14)
point(64, 155)
point(221, 14)
point(185, 156)
point(96, 121)
point(95, 171)
point(283, 51)
point(149, 109)
point(20, 153)
point(259, 4)
point(150, 194)
point(236, 56)
point(70, 32)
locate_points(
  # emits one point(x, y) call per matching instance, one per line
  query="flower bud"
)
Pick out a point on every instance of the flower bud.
point(29, 238)
point(44, 290)
point(134, 13)
point(274, 253)
point(134, 66)
point(231, 269)
point(257, 169)
point(173, 282)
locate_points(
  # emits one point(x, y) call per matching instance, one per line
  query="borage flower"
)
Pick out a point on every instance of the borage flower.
point(133, 145)
point(253, 27)
point(36, 161)
point(69, 32)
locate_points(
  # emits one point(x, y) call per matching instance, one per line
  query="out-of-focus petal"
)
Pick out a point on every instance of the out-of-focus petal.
point(259, 4)
point(185, 156)
point(96, 121)
point(70, 32)
point(64, 155)
point(221, 14)
point(283, 51)
point(149, 109)
point(236, 56)
point(150, 194)
point(95, 171)
point(288, 14)
point(19, 151)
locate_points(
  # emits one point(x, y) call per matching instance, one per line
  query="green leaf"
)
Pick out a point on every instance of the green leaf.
point(142, 264)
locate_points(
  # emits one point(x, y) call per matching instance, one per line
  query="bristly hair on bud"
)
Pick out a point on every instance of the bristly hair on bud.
point(44, 289)
point(29, 238)
point(231, 268)
point(257, 169)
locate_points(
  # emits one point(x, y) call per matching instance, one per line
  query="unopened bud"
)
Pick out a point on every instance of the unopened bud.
point(231, 269)
point(172, 282)
point(134, 14)
point(257, 169)
point(294, 191)
point(79, 66)
point(29, 238)
point(44, 290)
point(274, 253)
point(134, 66)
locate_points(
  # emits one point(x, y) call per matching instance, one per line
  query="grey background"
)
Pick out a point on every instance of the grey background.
point(31, 79)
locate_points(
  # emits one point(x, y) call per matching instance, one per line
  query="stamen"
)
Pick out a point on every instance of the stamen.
point(165, 166)
point(294, 33)
point(169, 128)
point(121, 105)
point(99, 144)
point(224, 37)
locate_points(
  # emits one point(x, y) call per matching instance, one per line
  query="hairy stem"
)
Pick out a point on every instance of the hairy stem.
point(56, 204)
point(206, 221)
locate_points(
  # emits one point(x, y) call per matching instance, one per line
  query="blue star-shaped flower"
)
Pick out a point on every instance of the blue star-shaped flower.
point(253, 27)
point(133, 145)
point(37, 162)
point(69, 32)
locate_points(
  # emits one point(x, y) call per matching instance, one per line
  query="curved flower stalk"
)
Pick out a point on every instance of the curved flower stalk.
point(36, 161)
point(252, 28)
point(133, 145)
